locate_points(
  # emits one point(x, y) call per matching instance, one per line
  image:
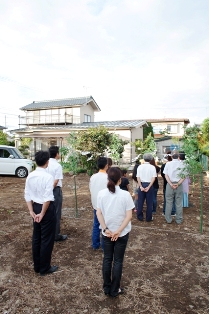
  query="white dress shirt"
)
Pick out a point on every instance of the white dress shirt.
point(173, 169)
point(113, 207)
point(55, 169)
point(39, 186)
point(98, 182)
point(146, 172)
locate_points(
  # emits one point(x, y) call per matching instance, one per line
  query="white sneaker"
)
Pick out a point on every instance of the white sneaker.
point(173, 215)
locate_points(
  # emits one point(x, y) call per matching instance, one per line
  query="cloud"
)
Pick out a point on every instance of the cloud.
point(134, 56)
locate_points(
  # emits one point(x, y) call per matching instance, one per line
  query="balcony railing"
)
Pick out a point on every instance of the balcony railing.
point(55, 119)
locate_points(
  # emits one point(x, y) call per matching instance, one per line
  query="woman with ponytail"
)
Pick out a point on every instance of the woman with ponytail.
point(114, 212)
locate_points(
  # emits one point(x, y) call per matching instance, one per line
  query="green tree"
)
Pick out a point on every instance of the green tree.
point(94, 140)
point(191, 148)
point(25, 146)
point(116, 147)
point(192, 164)
point(3, 138)
point(205, 129)
point(204, 137)
point(70, 154)
point(92, 143)
point(148, 130)
point(146, 146)
point(85, 147)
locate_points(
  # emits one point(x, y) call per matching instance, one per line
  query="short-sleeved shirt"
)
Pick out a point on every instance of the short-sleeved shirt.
point(173, 169)
point(39, 186)
point(55, 169)
point(146, 172)
point(113, 207)
point(98, 182)
point(124, 183)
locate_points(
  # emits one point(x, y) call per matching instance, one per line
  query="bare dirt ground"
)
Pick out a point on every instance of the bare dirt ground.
point(166, 267)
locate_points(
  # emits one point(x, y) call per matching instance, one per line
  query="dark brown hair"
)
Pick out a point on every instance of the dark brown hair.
point(152, 162)
point(169, 158)
point(109, 161)
point(114, 175)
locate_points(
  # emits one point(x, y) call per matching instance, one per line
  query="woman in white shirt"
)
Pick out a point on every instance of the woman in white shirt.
point(114, 212)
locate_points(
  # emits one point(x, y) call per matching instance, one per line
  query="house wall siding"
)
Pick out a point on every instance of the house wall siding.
point(86, 110)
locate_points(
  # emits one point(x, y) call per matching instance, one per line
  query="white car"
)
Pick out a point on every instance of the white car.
point(13, 162)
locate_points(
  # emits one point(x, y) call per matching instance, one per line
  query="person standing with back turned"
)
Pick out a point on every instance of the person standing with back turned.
point(114, 212)
point(40, 201)
point(146, 175)
point(174, 189)
point(55, 169)
point(98, 182)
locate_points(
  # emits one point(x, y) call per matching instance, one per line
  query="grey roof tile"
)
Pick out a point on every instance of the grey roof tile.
point(186, 120)
point(120, 124)
point(61, 103)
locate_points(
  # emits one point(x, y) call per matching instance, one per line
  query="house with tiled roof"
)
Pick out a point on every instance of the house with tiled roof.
point(50, 122)
point(168, 133)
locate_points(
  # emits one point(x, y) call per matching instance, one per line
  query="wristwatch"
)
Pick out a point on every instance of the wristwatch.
point(105, 229)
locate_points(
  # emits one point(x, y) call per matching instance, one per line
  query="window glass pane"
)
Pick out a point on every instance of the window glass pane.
point(54, 115)
point(48, 116)
point(166, 149)
point(35, 116)
point(42, 116)
point(6, 153)
point(172, 128)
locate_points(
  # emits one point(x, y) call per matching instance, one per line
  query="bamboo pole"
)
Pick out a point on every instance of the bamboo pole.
point(201, 202)
point(76, 203)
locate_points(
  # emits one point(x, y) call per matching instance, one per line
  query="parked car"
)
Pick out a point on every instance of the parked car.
point(13, 162)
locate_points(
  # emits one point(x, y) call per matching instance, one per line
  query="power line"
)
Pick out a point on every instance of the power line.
point(7, 79)
point(10, 114)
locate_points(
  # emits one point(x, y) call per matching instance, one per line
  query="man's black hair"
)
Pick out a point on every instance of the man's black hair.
point(181, 155)
point(41, 158)
point(135, 171)
point(101, 162)
point(53, 150)
point(124, 171)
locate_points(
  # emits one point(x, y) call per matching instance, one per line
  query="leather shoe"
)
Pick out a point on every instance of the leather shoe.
point(120, 291)
point(61, 237)
point(51, 270)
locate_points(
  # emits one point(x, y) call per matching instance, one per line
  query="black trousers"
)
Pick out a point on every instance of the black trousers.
point(43, 238)
point(58, 207)
point(113, 263)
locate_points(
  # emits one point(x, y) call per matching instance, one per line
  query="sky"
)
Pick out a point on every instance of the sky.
point(139, 59)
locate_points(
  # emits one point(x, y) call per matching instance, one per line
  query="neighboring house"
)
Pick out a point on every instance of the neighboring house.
point(2, 128)
point(171, 126)
point(50, 122)
point(168, 133)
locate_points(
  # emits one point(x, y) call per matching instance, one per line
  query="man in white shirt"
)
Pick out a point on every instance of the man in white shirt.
point(97, 183)
point(40, 201)
point(55, 169)
point(146, 174)
point(174, 188)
